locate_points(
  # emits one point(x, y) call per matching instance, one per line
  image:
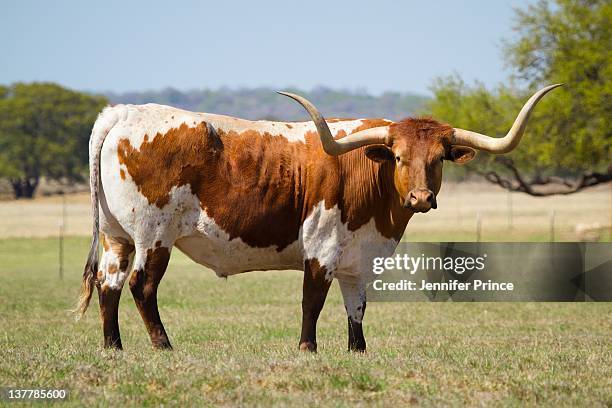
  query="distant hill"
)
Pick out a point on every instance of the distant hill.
point(264, 103)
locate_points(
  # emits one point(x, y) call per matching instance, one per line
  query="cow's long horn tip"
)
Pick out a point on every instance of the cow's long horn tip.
point(289, 94)
point(549, 88)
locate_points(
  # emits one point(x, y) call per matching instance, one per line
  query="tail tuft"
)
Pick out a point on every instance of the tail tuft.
point(88, 283)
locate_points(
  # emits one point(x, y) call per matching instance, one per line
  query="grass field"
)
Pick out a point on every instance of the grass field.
point(236, 340)
point(236, 343)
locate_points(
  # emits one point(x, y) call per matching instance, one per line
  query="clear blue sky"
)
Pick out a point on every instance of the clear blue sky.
point(140, 45)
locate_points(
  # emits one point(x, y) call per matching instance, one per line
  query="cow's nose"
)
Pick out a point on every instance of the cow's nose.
point(421, 200)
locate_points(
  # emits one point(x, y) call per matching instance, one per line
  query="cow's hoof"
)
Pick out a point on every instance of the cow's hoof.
point(162, 345)
point(358, 347)
point(112, 344)
point(308, 346)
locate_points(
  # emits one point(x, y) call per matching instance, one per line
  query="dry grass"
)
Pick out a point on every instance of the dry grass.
point(42, 216)
point(459, 204)
point(454, 220)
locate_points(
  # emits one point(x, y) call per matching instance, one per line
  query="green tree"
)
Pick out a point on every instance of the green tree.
point(44, 132)
point(567, 144)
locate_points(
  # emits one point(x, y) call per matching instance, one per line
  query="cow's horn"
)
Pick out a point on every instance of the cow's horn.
point(511, 140)
point(378, 135)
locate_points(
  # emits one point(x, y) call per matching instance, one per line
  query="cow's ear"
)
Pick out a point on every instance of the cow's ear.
point(379, 153)
point(461, 154)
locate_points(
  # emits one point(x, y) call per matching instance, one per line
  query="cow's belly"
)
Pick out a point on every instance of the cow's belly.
point(212, 247)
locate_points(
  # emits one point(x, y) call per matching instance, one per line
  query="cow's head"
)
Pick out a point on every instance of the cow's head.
point(418, 147)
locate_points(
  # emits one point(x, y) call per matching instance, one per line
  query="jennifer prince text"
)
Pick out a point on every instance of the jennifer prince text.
point(452, 285)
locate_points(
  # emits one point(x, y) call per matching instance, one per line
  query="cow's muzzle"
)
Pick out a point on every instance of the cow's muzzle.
point(420, 200)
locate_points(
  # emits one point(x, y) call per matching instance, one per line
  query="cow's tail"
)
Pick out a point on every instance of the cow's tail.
point(105, 122)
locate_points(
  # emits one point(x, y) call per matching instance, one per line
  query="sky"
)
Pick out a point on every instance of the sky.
point(373, 46)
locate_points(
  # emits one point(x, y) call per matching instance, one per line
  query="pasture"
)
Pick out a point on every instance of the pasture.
point(236, 340)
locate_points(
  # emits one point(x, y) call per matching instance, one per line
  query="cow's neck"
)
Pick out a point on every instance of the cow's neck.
point(360, 188)
point(371, 187)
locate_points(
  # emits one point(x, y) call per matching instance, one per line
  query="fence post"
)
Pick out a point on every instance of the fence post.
point(510, 211)
point(62, 226)
point(551, 217)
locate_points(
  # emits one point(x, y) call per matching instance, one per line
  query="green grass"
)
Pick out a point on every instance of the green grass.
point(236, 344)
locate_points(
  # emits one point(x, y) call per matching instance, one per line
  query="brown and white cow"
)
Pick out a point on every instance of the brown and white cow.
point(238, 195)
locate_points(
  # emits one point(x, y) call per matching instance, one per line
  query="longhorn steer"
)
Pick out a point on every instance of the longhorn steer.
point(238, 195)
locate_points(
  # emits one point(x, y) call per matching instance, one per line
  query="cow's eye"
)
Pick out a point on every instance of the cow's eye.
point(397, 159)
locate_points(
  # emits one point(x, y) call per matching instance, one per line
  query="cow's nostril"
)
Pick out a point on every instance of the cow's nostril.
point(429, 197)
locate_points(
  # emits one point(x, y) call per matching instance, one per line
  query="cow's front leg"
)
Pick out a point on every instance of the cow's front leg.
point(354, 296)
point(315, 289)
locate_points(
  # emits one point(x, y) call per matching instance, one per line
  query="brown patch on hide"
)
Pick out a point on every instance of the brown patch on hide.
point(169, 160)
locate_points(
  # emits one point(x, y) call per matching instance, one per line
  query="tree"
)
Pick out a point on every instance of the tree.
point(568, 140)
point(44, 131)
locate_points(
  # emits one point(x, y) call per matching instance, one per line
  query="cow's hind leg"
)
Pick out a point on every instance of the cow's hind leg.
point(315, 290)
point(354, 296)
point(112, 273)
point(149, 268)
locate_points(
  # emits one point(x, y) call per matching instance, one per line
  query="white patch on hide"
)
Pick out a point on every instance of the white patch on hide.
point(338, 249)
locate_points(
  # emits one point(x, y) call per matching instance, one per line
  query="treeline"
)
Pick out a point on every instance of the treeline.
point(265, 103)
